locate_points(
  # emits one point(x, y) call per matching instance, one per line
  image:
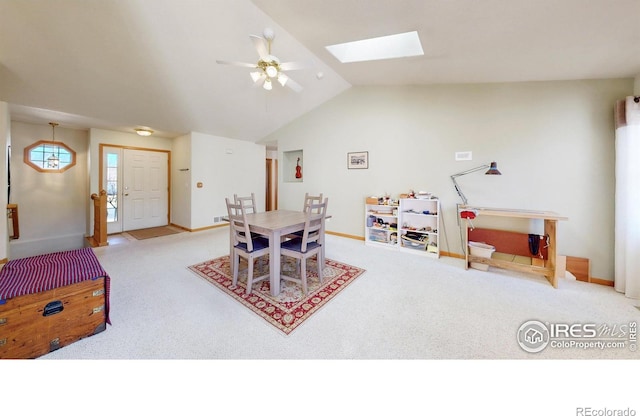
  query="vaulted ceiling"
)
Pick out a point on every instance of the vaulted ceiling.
point(122, 64)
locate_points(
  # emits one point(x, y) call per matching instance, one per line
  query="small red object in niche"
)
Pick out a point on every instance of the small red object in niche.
point(298, 169)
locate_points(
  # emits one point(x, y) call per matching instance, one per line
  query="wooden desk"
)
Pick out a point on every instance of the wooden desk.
point(275, 224)
point(550, 224)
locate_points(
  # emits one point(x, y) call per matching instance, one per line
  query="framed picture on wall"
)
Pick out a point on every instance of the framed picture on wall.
point(358, 160)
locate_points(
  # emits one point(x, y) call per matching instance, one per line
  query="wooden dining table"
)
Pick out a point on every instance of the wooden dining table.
point(274, 225)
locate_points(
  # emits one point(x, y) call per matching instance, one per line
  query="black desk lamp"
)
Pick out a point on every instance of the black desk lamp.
point(493, 170)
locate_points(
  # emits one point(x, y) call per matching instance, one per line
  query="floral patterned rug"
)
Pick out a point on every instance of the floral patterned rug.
point(290, 308)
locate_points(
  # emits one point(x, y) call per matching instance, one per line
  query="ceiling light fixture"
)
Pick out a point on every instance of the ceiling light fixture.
point(255, 76)
point(144, 132)
point(268, 68)
point(53, 161)
point(271, 71)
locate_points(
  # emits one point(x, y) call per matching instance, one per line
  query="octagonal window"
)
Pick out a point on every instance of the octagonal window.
point(48, 156)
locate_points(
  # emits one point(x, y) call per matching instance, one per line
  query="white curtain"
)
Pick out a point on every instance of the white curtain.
point(627, 197)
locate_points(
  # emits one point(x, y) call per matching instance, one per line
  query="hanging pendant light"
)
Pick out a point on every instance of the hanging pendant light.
point(53, 161)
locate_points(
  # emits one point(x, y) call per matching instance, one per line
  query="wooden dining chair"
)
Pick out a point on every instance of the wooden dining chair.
point(311, 199)
point(309, 245)
point(315, 200)
point(308, 200)
point(248, 202)
point(244, 245)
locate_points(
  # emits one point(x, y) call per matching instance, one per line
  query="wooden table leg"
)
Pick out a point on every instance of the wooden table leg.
point(552, 261)
point(231, 248)
point(274, 263)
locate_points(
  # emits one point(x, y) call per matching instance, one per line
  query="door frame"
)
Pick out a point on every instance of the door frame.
point(101, 168)
point(271, 188)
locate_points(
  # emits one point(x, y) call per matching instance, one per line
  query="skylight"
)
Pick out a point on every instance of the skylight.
point(401, 45)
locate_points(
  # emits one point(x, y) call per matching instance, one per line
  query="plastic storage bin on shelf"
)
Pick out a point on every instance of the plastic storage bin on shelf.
point(480, 250)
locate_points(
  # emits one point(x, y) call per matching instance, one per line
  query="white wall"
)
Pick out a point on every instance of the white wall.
point(553, 141)
point(181, 181)
point(224, 167)
point(52, 206)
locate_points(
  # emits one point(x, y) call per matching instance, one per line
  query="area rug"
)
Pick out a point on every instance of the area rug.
point(290, 308)
point(145, 233)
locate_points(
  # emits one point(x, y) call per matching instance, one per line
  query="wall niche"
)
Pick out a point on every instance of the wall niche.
point(292, 166)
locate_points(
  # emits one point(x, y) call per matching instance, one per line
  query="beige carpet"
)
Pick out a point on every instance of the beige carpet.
point(145, 233)
point(404, 307)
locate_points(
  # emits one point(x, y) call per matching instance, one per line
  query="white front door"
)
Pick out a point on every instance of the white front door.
point(137, 188)
point(145, 190)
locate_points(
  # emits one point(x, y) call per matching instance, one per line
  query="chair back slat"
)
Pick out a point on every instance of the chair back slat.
point(238, 224)
point(311, 199)
point(314, 224)
point(248, 202)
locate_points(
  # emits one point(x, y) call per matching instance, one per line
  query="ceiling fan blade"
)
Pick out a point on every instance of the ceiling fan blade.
point(260, 44)
point(244, 64)
point(292, 66)
point(293, 85)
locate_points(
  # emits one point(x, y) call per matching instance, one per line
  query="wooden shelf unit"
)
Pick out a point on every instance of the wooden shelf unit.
point(546, 269)
point(387, 225)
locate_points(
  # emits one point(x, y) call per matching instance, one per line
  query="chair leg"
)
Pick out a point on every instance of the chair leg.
point(236, 265)
point(320, 268)
point(249, 274)
point(303, 274)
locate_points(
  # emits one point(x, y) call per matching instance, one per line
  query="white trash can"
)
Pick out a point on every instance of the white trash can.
point(480, 250)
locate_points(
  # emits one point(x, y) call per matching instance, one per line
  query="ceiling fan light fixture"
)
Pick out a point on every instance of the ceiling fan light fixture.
point(256, 76)
point(271, 71)
point(268, 68)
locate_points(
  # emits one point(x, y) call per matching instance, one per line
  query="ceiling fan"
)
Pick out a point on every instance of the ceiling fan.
point(268, 68)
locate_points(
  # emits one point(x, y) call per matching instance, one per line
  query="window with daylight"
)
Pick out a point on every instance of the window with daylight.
point(112, 187)
point(50, 157)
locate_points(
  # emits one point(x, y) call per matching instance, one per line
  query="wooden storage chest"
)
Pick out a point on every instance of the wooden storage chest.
point(52, 300)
